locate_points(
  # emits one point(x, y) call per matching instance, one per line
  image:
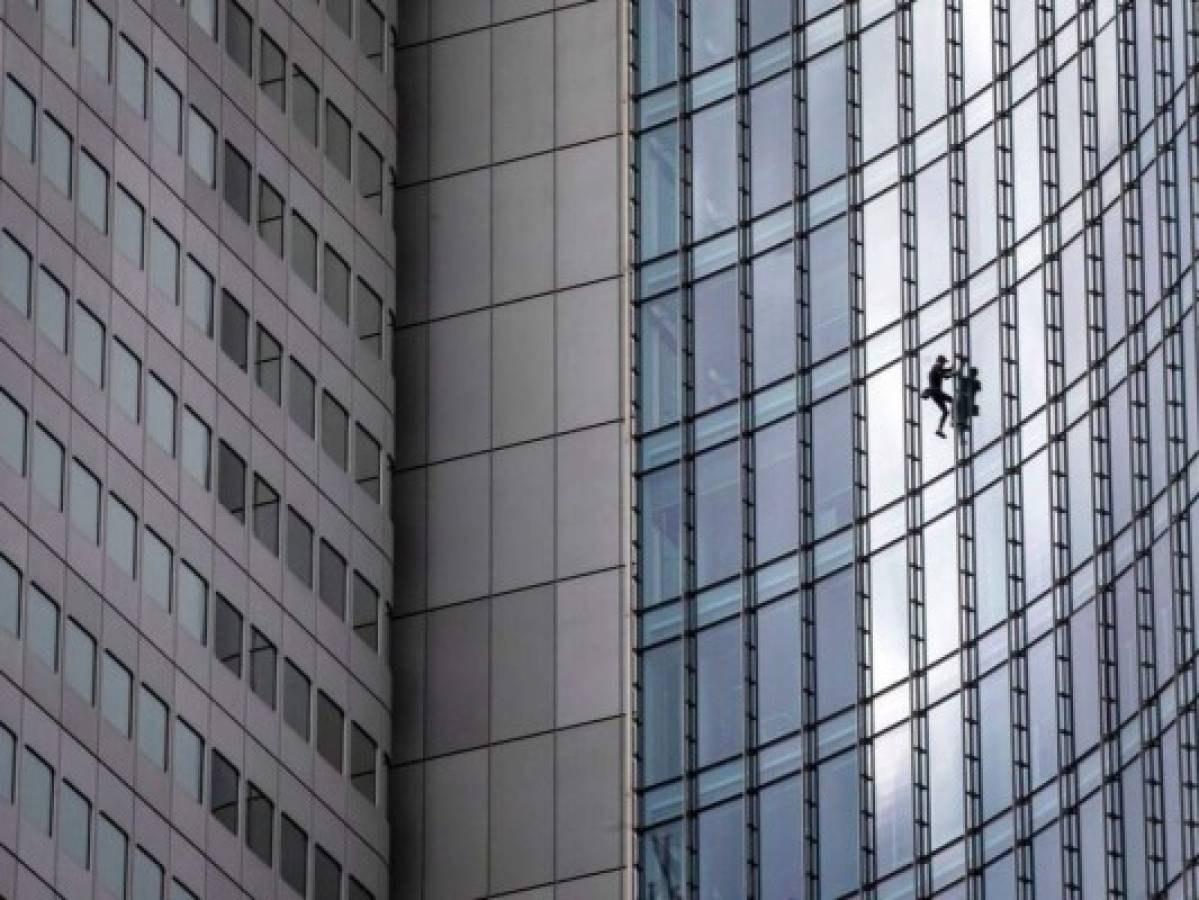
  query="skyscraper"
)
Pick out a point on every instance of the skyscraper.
point(870, 660)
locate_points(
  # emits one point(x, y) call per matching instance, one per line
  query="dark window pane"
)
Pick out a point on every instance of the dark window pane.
point(366, 611)
point(357, 891)
point(231, 482)
point(293, 855)
point(304, 105)
point(193, 603)
point(196, 447)
point(301, 398)
point(717, 340)
point(266, 515)
point(303, 250)
point(335, 423)
point(369, 319)
point(337, 284)
point(199, 289)
point(226, 635)
point(237, 182)
point(299, 547)
point(235, 327)
point(326, 875)
point(239, 36)
point(330, 730)
point(362, 762)
point(222, 791)
point(272, 71)
point(333, 580)
point(13, 428)
point(370, 174)
point(262, 667)
point(297, 699)
point(270, 216)
point(260, 813)
point(337, 138)
point(8, 751)
point(370, 32)
point(366, 462)
point(189, 760)
point(10, 597)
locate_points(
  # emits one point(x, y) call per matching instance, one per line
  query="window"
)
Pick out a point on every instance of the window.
point(8, 764)
point(204, 15)
point(326, 874)
point(370, 32)
point(164, 262)
point(357, 891)
point(160, 414)
point(272, 71)
point(235, 327)
point(147, 877)
point(89, 345)
point(79, 662)
point(231, 482)
point(362, 762)
point(96, 41)
point(304, 99)
point(340, 11)
point(366, 611)
point(337, 284)
point(116, 695)
point(333, 579)
point(18, 117)
point(131, 76)
point(337, 138)
point(293, 855)
point(201, 147)
point(111, 846)
point(37, 792)
point(237, 182)
point(125, 372)
point(60, 16)
point(195, 436)
point(179, 892)
point(335, 424)
point(48, 461)
point(270, 216)
point(152, 727)
point(85, 501)
point(193, 603)
point(13, 423)
point(330, 725)
point(296, 699)
point(299, 547)
point(10, 597)
point(16, 273)
point(93, 192)
point(75, 826)
point(122, 536)
point(369, 319)
point(366, 462)
point(266, 515)
point(52, 310)
point(303, 250)
point(157, 560)
point(226, 635)
point(260, 816)
point(41, 627)
point(198, 294)
point(268, 364)
point(189, 760)
point(239, 36)
point(301, 398)
point(128, 225)
point(262, 667)
point(370, 174)
point(57, 153)
point(222, 791)
point(168, 112)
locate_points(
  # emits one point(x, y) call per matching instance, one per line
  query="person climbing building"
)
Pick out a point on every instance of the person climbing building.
point(936, 390)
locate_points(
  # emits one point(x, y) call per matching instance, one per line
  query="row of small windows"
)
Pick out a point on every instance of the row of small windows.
point(47, 465)
point(107, 848)
point(79, 664)
point(124, 369)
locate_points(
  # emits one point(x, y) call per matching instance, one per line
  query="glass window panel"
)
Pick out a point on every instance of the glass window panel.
point(260, 814)
point(200, 289)
point(837, 814)
point(41, 627)
point(722, 851)
point(658, 364)
point(116, 695)
point(60, 18)
point(201, 147)
point(976, 28)
point(657, 46)
point(16, 273)
point(337, 138)
point(270, 216)
point(836, 636)
point(658, 158)
point(893, 799)
point(131, 76)
point(712, 32)
point(193, 603)
point(661, 727)
point(57, 154)
point(303, 250)
point(774, 334)
point(885, 434)
point(37, 792)
point(882, 261)
point(776, 501)
point(239, 36)
point(717, 514)
point(370, 32)
point(301, 400)
point(272, 71)
point(10, 597)
point(333, 579)
point(717, 340)
point(928, 28)
point(778, 670)
point(52, 310)
point(222, 791)
point(126, 374)
point(8, 751)
point(203, 13)
point(941, 587)
point(75, 826)
point(366, 611)
point(326, 875)
point(945, 767)
point(832, 466)
point(128, 228)
point(1069, 145)
point(48, 461)
point(268, 363)
point(93, 192)
point(370, 174)
point(781, 839)
point(19, 108)
point(341, 13)
point(122, 536)
point(996, 742)
point(362, 762)
point(889, 616)
point(179, 892)
point(160, 414)
point(714, 164)
point(299, 547)
point(1084, 678)
point(826, 125)
point(932, 230)
point(227, 635)
point(235, 327)
point(330, 730)
point(196, 438)
point(262, 667)
point(147, 877)
point(156, 570)
point(879, 96)
point(980, 198)
point(828, 284)
point(366, 462)
point(660, 535)
point(335, 423)
point(297, 699)
point(168, 112)
point(1042, 712)
point(337, 284)
point(1082, 529)
point(85, 502)
point(189, 760)
point(152, 727)
point(293, 855)
point(990, 560)
point(720, 698)
point(13, 426)
point(237, 182)
point(111, 848)
point(96, 41)
point(305, 105)
point(369, 319)
point(79, 661)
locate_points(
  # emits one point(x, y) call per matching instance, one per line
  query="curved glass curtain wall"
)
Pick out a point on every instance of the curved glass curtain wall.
point(868, 659)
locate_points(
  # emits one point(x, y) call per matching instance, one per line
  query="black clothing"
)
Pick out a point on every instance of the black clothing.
point(936, 391)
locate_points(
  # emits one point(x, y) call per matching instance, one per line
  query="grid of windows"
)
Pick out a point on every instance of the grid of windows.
point(872, 660)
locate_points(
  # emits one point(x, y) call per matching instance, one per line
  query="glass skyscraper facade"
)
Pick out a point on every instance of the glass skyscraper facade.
point(870, 660)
